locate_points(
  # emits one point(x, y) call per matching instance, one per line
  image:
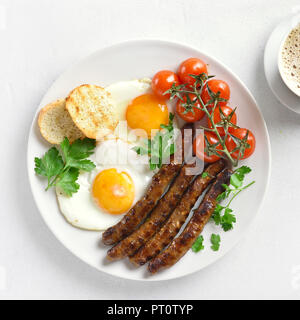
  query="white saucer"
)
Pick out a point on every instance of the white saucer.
point(280, 90)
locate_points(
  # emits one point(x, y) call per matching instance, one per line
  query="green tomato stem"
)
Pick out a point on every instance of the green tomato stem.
point(214, 129)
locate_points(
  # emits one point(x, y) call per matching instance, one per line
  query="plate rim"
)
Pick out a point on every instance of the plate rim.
point(162, 42)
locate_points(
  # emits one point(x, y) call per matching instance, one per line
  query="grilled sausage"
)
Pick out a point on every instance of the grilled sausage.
point(185, 240)
point(133, 242)
point(169, 230)
point(142, 208)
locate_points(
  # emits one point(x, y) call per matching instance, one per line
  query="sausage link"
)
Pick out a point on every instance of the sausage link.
point(143, 207)
point(185, 240)
point(169, 230)
point(133, 242)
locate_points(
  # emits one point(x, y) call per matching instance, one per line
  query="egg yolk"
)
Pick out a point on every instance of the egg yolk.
point(147, 112)
point(113, 191)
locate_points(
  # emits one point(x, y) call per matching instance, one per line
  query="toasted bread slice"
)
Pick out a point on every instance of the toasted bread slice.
point(55, 123)
point(92, 110)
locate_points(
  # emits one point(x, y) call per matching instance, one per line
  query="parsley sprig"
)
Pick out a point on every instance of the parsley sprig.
point(62, 168)
point(160, 146)
point(223, 215)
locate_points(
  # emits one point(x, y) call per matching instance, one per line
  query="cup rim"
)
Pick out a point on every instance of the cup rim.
point(295, 21)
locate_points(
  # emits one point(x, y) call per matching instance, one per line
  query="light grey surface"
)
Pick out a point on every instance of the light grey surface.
point(39, 40)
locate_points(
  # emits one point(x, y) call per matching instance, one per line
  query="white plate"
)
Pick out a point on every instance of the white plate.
point(138, 59)
point(279, 88)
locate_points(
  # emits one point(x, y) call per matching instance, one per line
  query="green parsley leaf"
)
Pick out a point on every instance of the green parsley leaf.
point(169, 127)
point(235, 181)
point(215, 240)
point(198, 244)
point(140, 150)
point(160, 147)
point(67, 181)
point(205, 174)
point(152, 166)
point(216, 216)
point(221, 196)
point(64, 171)
point(227, 220)
point(223, 214)
point(76, 153)
point(50, 165)
point(238, 177)
point(65, 147)
point(225, 194)
point(84, 165)
point(78, 150)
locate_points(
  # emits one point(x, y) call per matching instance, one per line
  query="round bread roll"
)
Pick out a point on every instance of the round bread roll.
point(92, 110)
point(55, 123)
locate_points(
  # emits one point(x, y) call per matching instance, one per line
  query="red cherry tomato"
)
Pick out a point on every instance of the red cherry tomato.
point(162, 81)
point(191, 66)
point(199, 145)
point(241, 134)
point(217, 118)
point(191, 116)
point(216, 86)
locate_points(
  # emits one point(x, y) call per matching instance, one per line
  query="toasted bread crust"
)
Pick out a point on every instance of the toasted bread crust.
point(92, 110)
point(55, 123)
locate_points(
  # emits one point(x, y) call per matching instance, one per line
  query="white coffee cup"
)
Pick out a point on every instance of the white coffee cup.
point(293, 83)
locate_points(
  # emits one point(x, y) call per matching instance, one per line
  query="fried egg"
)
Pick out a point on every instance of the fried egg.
point(110, 190)
point(139, 107)
point(124, 92)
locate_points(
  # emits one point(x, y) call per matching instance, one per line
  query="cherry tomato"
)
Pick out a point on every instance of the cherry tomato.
point(162, 81)
point(191, 116)
point(241, 134)
point(217, 118)
point(191, 66)
point(199, 146)
point(216, 86)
